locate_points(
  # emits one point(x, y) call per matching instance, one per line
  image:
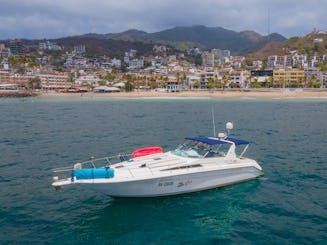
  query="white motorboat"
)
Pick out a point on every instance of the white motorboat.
point(200, 163)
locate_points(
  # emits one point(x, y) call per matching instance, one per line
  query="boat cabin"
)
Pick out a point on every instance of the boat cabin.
point(201, 147)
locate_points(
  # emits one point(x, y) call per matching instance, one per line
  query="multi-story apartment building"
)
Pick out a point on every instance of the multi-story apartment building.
point(116, 62)
point(19, 80)
point(205, 76)
point(287, 77)
point(5, 76)
point(16, 47)
point(323, 79)
point(220, 54)
point(4, 53)
point(239, 78)
point(312, 73)
point(55, 81)
point(300, 61)
point(208, 59)
point(79, 49)
point(135, 64)
point(277, 61)
point(314, 60)
point(257, 64)
point(47, 45)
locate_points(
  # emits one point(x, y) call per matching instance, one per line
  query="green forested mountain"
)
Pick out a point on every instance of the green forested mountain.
point(197, 36)
point(217, 37)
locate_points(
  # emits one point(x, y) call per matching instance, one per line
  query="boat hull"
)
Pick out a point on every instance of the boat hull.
point(177, 184)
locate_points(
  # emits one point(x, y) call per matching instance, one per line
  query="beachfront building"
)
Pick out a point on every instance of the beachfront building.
point(262, 77)
point(192, 80)
point(21, 80)
point(5, 76)
point(55, 81)
point(323, 79)
point(106, 89)
point(174, 85)
point(205, 77)
point(289, 77)
point(11, 80)
point(238, 78)
point(312, 73)
point(87, 79)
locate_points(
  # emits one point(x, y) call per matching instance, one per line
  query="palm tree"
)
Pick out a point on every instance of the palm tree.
point(210, 83)
point(34, 83)
point(177, 76)
point(71, 79)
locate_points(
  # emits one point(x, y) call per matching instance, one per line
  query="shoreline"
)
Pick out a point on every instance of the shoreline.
point(226, 94)
point(191, 94)
point(16, 94)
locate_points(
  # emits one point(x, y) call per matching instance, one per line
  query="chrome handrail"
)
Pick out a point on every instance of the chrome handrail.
point(108, 162)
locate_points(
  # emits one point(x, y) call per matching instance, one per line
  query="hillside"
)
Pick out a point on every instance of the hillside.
point(180, 38)
point(271, 48)
point(313, 43)
point(216, 37)
point(109, 47)
point(183, 38)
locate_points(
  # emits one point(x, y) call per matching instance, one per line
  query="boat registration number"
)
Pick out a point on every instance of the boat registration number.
point(169, 183)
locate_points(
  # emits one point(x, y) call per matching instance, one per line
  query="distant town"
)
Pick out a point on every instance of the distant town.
point(51, 67)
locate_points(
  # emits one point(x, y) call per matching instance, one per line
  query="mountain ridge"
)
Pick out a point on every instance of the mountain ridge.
point(180, 38)
point(200, 36)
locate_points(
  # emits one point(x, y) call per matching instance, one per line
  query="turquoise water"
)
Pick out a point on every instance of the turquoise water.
point(286, 206)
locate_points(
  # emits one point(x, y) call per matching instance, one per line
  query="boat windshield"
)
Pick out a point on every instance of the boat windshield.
point(193, 149)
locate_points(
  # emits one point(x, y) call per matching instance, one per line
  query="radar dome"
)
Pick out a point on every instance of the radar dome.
point(229, 126)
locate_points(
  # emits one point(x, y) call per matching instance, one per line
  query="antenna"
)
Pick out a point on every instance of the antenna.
point(213, 122)
point(268, 22)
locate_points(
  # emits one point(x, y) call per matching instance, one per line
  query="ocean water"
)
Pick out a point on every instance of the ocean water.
point(288, 205)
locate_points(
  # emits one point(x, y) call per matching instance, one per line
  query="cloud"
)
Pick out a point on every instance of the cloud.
point(50, 19)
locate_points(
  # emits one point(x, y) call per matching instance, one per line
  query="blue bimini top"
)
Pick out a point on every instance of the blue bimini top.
point(216, 141)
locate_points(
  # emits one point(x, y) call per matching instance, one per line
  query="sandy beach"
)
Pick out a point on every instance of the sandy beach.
point(276, 94)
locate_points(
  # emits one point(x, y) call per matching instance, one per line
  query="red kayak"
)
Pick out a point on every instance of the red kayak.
point(147, 151)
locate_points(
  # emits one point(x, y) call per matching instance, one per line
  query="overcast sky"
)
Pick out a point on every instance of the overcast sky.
point(60, 18)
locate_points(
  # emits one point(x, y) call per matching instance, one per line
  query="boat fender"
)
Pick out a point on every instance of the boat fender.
point(94, 173)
